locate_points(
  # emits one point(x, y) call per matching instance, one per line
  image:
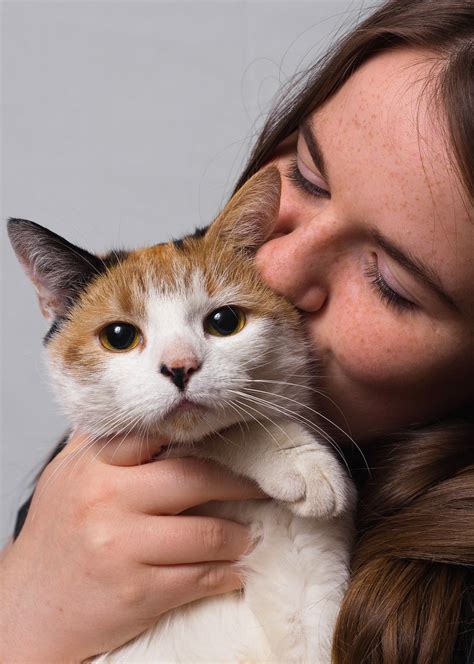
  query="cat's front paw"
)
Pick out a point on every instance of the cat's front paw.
point(313, 485)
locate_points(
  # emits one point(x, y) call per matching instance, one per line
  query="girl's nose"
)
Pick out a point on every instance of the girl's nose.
point(288, 264)
point(298, 261)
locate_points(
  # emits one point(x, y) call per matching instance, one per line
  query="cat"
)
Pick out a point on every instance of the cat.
point(184, 339)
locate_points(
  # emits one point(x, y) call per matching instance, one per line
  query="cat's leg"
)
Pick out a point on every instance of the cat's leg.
point(288, 463)
point(297, 573)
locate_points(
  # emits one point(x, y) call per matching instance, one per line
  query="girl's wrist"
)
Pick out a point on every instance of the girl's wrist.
point(24, 640)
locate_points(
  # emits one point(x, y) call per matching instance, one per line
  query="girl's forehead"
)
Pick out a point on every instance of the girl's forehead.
point(389, 164)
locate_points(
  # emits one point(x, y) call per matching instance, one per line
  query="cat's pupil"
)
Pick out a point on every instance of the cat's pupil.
point(224, 321)
point(120, 335)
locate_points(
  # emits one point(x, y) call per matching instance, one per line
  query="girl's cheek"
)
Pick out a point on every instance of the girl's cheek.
point(379, 350)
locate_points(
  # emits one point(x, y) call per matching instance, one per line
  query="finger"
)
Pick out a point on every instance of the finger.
point(171, 486)
point(116, 450)
point(174, 540)
point(180, 584)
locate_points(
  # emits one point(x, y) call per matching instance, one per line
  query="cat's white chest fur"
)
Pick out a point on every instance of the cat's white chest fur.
point(296, 574)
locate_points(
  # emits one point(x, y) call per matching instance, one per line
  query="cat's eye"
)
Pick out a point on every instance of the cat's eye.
point(225, 321)
point(119, 337)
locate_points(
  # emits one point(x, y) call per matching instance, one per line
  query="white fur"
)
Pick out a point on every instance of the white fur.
point(295, 579)
point(297, 573)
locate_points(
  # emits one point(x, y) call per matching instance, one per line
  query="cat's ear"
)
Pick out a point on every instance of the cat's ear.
point(249, 218)
point(57, 268)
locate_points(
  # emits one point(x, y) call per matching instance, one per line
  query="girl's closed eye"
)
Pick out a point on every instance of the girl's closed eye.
point(386, 292)
point(296, 177)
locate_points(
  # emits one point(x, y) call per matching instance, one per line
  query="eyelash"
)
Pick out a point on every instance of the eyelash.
point(386, 294)
point(294, 175)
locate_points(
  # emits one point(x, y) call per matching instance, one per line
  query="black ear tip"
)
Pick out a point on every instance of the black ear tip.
point(16, 226)
point(13, 223)
point(23, 233)
point(13, 226)
point(16, 223)
point(14, 229)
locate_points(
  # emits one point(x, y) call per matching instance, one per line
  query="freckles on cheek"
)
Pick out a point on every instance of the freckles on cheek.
point(373, 352)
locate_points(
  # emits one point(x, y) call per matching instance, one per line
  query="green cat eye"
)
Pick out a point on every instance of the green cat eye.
point(119, 337)
point(225, 321)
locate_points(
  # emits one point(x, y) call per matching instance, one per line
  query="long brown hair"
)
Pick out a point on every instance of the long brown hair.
point(411, 594)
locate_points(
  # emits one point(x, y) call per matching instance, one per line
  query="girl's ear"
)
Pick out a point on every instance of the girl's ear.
point(58, 269)
point(249, 217)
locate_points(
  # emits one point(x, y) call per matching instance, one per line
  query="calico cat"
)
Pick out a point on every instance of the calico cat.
point(184, 339)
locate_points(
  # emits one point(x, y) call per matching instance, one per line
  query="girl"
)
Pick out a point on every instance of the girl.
point(374, 243)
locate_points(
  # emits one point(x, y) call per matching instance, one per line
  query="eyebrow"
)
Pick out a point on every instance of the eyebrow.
point(417, 268)
point(314, 148)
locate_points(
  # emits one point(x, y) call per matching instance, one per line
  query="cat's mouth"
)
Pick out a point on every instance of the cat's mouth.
point(185, 405)
point(189, 421)
point(182, 423)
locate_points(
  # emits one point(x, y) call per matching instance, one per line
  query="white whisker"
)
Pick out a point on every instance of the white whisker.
point(311, 389)
point(297, 417)
point(317, 413)
point(261, 423)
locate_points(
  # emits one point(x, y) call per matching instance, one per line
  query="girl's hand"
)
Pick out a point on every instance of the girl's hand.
point(103, 553)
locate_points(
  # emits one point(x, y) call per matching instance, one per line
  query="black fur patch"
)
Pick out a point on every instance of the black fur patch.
point(55, 327)
point(200, 232)
point(24, 509)
point(114, 257)
point(101, 265)
point(179, 244)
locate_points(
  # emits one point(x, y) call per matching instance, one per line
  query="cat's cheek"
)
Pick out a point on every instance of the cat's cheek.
point(79, 387)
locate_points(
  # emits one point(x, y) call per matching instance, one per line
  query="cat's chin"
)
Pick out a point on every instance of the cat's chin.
point(185, 424)
point(189, 425)
point(188, 421)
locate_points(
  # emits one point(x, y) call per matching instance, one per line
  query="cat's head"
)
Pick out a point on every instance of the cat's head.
point(182, 338)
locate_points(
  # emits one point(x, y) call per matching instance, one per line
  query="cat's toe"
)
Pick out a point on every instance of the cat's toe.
point(328, 490)
point(288, 487)
point(319, 501)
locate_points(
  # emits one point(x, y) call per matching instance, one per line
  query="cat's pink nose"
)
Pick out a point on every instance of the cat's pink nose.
point(180, 376)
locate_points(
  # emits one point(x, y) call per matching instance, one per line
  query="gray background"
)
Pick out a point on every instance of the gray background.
point(122, 124)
